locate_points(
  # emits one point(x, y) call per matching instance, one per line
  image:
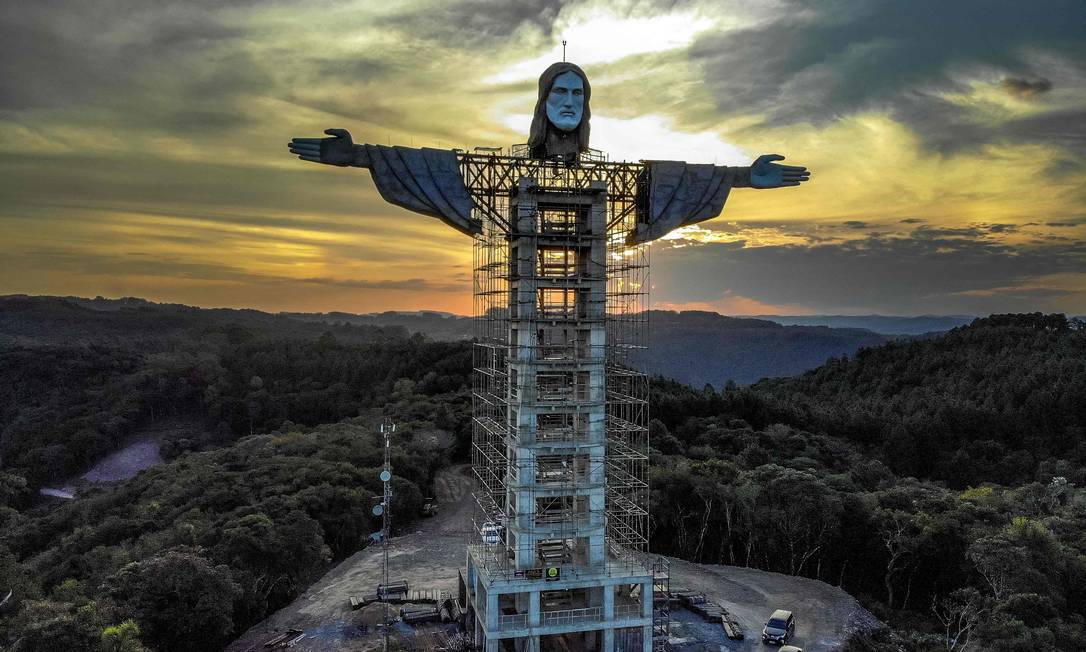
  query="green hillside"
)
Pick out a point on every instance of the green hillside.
point(937, 480)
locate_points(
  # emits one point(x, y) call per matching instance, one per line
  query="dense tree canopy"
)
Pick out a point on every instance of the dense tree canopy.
point(939, 480)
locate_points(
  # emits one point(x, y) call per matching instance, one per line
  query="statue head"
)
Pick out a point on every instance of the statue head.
point(562, 109)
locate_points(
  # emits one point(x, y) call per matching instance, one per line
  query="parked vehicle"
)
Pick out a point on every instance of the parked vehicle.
point(780, 627)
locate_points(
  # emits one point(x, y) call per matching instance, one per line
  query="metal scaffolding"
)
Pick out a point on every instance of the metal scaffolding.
point(569, 335)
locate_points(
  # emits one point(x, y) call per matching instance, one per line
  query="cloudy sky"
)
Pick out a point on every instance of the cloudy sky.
point(143, 146)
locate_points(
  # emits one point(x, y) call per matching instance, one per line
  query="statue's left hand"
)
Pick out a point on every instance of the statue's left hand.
point(766, 174)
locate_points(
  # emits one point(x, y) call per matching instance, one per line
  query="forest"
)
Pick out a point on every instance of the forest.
point(940, 480)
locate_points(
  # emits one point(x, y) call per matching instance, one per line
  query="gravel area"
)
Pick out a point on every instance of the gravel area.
point(825, 615)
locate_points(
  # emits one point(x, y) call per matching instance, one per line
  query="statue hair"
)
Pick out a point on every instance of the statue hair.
point(541, 125)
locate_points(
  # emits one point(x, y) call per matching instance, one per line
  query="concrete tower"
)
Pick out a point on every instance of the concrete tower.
point(559, 434)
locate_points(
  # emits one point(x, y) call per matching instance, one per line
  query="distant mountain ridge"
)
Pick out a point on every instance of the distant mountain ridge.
point(441, 326)
point(698, 348)
point(693, 347)
point(885, 324)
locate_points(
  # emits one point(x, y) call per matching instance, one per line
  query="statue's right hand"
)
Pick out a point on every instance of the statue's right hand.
point(337, 150)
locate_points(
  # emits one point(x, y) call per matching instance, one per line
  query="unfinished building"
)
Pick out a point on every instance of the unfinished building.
point(560, 437)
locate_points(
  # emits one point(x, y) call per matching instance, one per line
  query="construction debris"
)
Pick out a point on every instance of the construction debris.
point(451, 611)
point(415, 614)
point(731, 626)
point(294, 641)
point(392, 591)
point(287, 639)
point(710, 611)
point(357, 602)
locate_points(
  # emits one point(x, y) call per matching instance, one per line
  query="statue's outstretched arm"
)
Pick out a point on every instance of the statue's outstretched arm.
point(422, 180)
point(338, 150)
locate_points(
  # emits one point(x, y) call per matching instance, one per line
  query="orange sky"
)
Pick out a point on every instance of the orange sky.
point(143, 147)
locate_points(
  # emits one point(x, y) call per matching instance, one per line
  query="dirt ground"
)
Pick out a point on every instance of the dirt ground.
point(825, 614)
point(430, 557)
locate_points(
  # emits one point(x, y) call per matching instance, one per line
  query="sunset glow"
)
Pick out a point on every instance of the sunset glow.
point(149, 160)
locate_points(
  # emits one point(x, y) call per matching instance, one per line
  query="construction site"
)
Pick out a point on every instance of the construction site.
point(430, 558)
point(542, 541)
point(560, 436)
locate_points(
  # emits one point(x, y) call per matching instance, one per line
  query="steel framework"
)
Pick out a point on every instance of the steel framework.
point(560, 416)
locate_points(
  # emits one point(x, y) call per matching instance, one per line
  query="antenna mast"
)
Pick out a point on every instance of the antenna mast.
point(563, 50)
point(387, 428)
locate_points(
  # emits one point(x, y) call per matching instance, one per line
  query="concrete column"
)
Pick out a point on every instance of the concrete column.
point(492, 611)
point(608, 603)
point(609, 640)
point(646, 638)
point(534, 617)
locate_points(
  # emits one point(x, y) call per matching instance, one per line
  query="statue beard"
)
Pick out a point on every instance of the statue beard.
point(562, 143)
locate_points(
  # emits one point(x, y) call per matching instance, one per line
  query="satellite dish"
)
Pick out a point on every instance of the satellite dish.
point(385, 476)
point(378, 510)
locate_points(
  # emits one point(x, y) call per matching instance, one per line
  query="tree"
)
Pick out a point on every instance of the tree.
point(181, 601)
point(998, 560)
point(124, 637)
point(53, 625)
point(12, 489)
point(960, 613)
point(901, 538)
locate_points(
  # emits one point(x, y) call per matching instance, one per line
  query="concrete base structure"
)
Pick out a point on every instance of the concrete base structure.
point(605, 613)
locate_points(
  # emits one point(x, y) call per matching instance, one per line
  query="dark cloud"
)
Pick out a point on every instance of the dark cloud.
point(855, 224)
point(814, 62)
point(58, 55)
point(911, 220)
point(1019, 87)
point(411, 284)
point(146, 264)
point(938, 232)
point(472, 22)
point(1065, 128)
point(83, 263)
point(939, 273)
point(978, 230)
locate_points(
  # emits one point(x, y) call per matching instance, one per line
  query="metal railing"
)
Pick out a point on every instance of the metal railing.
point(513, 621)
point(571, 616)
point(568, 617)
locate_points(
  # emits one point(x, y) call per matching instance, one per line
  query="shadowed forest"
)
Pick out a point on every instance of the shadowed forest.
point(941, 481)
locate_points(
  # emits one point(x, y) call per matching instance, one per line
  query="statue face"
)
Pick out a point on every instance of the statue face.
point(565, 103)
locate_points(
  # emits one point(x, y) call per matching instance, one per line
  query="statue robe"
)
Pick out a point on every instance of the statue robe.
point(681, 194)
point(428, 181)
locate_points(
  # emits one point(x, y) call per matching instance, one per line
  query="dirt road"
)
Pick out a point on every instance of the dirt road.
point(429, 558)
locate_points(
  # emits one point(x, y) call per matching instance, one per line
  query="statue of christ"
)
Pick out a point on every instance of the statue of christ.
point(429, 181)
